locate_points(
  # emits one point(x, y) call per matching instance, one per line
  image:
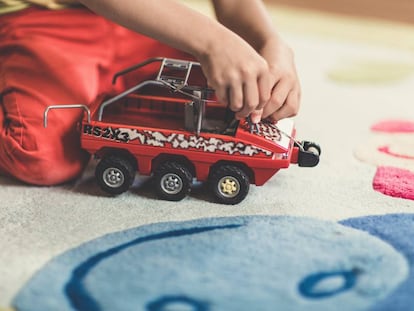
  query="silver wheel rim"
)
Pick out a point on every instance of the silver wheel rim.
point(228, 187)
point(314, 150)
point(113, 177)
point(171, 183)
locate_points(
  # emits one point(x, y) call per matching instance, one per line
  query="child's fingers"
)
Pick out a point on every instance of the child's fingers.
point(256, 94)
point(289, 109)
point(235, 97)
point(265, 87)
point(250, 98)
point(278, 98)
point(256, 116)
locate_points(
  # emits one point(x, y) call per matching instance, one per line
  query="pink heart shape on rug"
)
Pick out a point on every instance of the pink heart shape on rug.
point(393, 156)
point(394, 126)
point(388, 151)
point(394, 182)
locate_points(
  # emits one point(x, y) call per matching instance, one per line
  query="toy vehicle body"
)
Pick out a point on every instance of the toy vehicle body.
point(177, 132)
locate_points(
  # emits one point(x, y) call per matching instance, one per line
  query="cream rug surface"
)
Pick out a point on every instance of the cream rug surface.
point(308, 239)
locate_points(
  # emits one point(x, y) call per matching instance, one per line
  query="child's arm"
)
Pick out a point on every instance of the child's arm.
point(239, 75)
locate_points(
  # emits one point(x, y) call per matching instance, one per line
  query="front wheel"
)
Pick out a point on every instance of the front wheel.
point(309, 154)
point(229, 184)
point(312, 147)
point(172, 181)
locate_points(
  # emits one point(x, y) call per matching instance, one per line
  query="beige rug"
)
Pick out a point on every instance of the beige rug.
point(354, 74)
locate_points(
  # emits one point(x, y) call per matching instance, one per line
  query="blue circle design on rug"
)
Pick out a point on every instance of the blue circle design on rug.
point(310, 286)
point(237, 263)
point(398, 231)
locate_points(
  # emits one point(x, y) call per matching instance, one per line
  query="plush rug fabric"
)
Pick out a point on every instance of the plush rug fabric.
point(391, 148)
point(339, 234)
point(236, 263)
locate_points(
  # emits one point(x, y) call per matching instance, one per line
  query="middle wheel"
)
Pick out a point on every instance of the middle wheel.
point(172, 181)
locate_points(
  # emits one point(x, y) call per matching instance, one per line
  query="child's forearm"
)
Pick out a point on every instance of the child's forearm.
point(248, 18)
point(170, 22)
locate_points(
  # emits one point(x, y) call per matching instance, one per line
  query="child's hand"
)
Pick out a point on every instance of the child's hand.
point(238, 74)
point(285, 94)
point(262, 86)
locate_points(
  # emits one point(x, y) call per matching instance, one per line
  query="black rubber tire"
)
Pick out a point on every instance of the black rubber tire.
point(115, 174)
point(172, 181)
point(229, 184)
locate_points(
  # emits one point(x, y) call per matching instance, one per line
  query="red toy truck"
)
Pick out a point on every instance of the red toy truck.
point(175, 130)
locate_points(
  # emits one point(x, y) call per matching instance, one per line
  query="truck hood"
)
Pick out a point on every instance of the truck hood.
point(276, 137)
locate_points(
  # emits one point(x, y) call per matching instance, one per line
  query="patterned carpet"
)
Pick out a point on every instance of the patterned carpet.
point(339, 234)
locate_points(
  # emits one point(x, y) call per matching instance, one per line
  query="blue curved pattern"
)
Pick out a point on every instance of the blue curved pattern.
point(77, 293)
point(397, 230)
point(309, 286)
point(164, 304)
point(236, 263)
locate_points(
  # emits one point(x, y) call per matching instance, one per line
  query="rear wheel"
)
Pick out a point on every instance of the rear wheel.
point(229, 184)
point(115, 174)
point(172, 181)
